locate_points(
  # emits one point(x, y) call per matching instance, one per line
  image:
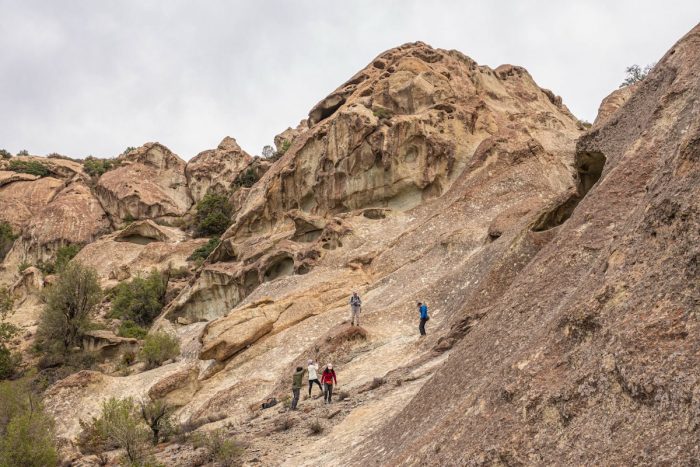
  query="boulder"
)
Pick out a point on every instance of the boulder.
point(107, 345)
point(150, 182)
point(215, 170)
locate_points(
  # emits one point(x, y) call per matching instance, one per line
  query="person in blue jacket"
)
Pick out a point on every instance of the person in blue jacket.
point(423, 310)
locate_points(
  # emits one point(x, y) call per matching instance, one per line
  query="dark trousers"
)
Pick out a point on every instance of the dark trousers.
point(311, 384)
point(327, 392)
point(421, 326)
point(295, 397)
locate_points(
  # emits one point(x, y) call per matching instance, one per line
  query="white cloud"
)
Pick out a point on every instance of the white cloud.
point(86, 77)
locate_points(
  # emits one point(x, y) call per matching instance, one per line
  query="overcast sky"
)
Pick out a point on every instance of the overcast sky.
point(82, 77)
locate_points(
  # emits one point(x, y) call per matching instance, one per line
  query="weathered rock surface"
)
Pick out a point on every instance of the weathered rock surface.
point(149, 183)
point(614, 101)
point(136, 250)
point(591, 354)
point(215, 170)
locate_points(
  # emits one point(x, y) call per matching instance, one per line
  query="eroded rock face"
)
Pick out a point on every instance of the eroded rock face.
point(614, 101)
point(396, 135)
point(74, 216)
point(136, 250)
point(215, 170)
point(149, 183)
point(590, 354)
point(24, 198)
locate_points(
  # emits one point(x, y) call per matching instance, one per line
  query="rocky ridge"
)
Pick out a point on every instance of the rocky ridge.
point(559, 267)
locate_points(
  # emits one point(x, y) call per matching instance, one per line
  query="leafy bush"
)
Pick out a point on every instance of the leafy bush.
point(130, 329)
point(127, 150)
point(247, 178)
point(635, 73)
point(21, 267)
point(382, 113)
point(63, 255)
point(8, 359)
point(159, 347)
point(29, 167)
point(157, 415)
point(97, 167)
point(213, 215)
point(141, 299)
point(7, 238)
point(69, 302)
point(26, 432)
point(220, 448)
point(283, 147)
point(205, 250)
point(4, 154)
point(315, 427)
point(23, 152)
point(118, 426)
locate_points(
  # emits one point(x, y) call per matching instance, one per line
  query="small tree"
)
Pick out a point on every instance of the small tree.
point(141, 299)
point(8, 359)
point(4, 154)
point(69, 303)
point(634, 74)
point(23, 152)
point(121, 426)
point(213, 215)
point(159, 347)
point(157, 415)
point(29, 167)
point(247, 178)
point(268, 151)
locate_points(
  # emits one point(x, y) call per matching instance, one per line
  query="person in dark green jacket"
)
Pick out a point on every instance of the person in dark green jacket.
point(297, 380)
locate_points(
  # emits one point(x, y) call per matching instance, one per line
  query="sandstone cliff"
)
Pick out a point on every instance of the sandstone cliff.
point(560, 269)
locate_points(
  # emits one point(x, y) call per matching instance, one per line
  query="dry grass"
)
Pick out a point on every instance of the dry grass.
point(315, 427)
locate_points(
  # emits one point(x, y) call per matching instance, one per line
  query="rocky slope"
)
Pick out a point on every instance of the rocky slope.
point(561, 276)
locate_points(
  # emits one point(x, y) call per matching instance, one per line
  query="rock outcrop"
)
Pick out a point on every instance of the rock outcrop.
point(150, 182)
point(591, 354)
point(216, 170)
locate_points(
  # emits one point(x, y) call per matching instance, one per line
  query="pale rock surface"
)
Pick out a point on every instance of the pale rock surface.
point(149, 183)
point(215, 170)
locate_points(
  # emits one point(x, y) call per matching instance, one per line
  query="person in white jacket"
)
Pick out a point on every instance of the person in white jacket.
point(313, 376)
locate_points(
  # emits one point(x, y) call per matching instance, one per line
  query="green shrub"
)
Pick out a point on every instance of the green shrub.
point(29, 167)
point(23, 266)
point(7, 238)
point(29, 441)
point(127, 150)
point(26, 432)
point(635, 73)
point(130, 329)
point(23, 152)
point(205, 250)
point(118, 426)
point(69, 302)
point(4, 154)
point(141, 299)
point(219, 447)
point(157, 415)
point(248, 177)
point(382, 113)
point(213, 215)
point(9, 361)
point(63, 255)
point(97, 167)
point(159, 347)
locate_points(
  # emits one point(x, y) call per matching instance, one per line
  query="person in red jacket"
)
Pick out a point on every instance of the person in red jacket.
point(328, 379)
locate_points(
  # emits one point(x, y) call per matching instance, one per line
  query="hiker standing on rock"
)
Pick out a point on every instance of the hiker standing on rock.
point(423, 311)
point(313, 376)
point(328, 379)
point(355, 307)
point(297, 379)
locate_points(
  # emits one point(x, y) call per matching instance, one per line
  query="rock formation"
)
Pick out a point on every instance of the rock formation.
point(149, 183)
point(216, 170)
point(560, 269)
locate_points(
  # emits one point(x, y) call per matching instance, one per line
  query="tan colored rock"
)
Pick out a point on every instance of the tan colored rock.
point(74, 216)
point(149, 183)
point(136, 250)
point(613, 102)
point(7, 177)
point(215, 170)
point(107, 345)
point(177, 388)
point(22, 200)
